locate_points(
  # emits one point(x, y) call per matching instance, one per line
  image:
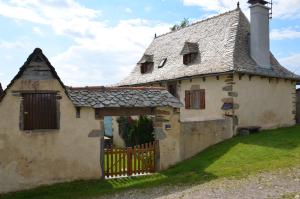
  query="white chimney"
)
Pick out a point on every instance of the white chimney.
point(260, 33)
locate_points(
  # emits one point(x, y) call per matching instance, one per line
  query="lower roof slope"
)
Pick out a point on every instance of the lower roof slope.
point(115, 97)
point(223, 43)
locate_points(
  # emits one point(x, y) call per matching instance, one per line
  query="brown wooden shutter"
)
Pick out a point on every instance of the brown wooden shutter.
point(187, 99)
point(202, 99)
point(40, 111)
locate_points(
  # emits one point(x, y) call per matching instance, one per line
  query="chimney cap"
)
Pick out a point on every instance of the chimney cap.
point(252, 2)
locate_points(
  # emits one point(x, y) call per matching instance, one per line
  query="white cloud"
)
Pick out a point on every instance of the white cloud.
point(11, 45)
point(110, 53)
point(281, 8)
point(101, 54)
point(214, 5)
point(286, 8)
point(286, 33)
point(292, 62)
point(38, 31)
point(128, 10)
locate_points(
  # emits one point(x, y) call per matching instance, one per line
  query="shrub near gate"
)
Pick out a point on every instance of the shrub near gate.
point(136, 132)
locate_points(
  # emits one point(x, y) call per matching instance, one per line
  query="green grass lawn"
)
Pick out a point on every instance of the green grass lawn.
point(237, 157)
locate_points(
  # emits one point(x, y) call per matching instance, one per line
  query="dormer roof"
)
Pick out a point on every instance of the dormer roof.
point(146, 58)
point(189, 47)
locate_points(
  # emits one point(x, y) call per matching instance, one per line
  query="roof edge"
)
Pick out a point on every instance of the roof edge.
point(197, 22)
point(296, 78)
point(22, 69)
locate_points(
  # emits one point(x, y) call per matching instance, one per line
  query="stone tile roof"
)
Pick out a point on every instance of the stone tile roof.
point(223, 43)
point(99, 97)
point(37, 53)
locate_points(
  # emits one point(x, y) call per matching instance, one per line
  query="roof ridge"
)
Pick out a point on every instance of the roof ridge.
point(200, 21)
point(103, 88)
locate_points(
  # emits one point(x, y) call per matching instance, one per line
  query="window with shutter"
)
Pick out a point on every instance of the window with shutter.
point(195, 99)
point(39, 111)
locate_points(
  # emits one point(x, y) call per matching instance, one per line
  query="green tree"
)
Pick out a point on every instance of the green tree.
point(184, 23)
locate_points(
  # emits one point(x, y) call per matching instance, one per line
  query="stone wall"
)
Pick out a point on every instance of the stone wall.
point(196, 136)
point(181, 140)
point(167, 131)
point(265, 102)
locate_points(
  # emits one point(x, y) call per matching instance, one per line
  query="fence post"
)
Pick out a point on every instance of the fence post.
point(129, 161)
point(157, 155)
point(102, 156)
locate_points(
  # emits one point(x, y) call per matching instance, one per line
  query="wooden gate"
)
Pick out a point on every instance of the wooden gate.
point(130, 161)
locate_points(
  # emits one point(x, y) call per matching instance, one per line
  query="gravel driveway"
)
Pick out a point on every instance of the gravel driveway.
point(283, 183)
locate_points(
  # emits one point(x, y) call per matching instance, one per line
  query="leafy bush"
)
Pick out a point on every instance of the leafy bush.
point(135, 132)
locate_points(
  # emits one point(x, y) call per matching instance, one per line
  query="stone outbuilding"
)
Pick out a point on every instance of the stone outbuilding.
point(53, 133)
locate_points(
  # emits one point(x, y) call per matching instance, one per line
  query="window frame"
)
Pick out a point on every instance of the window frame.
point(191, 95)
point(189, 58)
point(162, 63)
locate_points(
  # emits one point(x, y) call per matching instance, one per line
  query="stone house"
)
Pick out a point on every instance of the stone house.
point(222, 66)
point(53, 133)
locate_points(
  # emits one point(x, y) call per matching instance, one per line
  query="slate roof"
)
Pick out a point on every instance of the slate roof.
point(99, 97)
point(223, 44)
point(37, 53)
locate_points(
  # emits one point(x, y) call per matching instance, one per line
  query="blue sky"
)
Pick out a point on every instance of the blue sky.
point(93, 42)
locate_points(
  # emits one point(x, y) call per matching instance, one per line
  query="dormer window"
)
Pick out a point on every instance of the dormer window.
point(189, 52)
point(146, 63)
point(189, 58)
point(146, 67)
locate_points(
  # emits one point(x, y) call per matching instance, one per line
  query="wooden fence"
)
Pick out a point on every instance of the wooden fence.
point(130, 161)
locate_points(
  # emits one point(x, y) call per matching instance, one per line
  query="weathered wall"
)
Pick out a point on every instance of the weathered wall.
point(28, 159)
point(196, 136)
point(117, 139)
point(185, 139)
point(169, 138)
point(298, 107)
point(213, 98)
point(269, 103)
point(214, 94)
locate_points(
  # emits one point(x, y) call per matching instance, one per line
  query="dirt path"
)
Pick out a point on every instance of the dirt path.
point(280, 184)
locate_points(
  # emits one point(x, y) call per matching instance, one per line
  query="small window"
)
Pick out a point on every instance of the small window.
point(40, 111)
point(195, 99)
point(189, 58)
point(97, 113)
point(146, 67)
point(162, 63)
point(78, 112)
